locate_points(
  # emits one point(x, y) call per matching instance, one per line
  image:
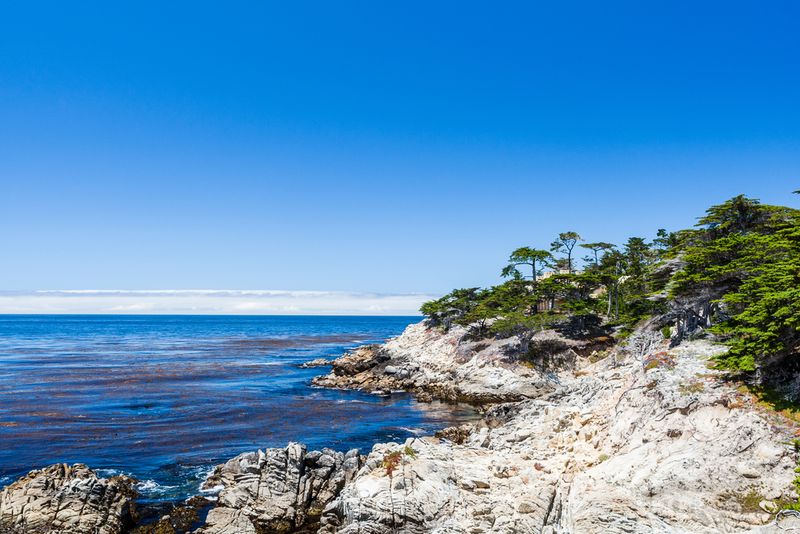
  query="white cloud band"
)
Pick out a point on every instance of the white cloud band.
point(209, 302)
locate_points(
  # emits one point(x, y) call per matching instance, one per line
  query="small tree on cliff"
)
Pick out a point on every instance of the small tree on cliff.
point(565, 242)
point(597, 248)
point(537, 259)
point(638, 257)
point(453, 307)
point(664, 242)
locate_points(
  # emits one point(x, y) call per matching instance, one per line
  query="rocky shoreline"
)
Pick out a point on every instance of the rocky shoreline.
point(446, 366)
point(583, 436)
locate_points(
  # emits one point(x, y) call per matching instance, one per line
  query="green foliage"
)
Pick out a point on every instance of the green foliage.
point(796, 481)
point(453, 307)
point(531, 302)
point(743, 256)
point(627, 276)
point(597, 249)
point(518, 323)
point(748, 502)
point(665, 243)
point(537, 259)
point(746, 256)
point(564, 243)
point(737, 215)
point(767, 303)
point(774, 401)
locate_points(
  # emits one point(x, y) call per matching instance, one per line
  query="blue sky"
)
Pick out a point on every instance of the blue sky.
point(368, 147)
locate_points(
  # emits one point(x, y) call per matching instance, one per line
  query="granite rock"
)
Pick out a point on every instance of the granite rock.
point(67, 499)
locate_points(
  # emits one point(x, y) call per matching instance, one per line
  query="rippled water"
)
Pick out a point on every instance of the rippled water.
point(164, 398)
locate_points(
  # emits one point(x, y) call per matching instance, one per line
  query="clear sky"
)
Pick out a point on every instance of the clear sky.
point(374, 147)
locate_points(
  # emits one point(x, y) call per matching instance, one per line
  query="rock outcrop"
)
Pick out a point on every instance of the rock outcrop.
point(67, 499)
point(628, 445)
point(441, 365)
point(318, 362)
point(277, 490)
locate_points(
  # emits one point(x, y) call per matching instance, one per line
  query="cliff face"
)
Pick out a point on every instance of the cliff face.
point(646, 439)
point(627, 444)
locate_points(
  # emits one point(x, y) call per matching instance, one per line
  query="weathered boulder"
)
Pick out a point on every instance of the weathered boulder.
point(277, 490)
point(67, 499)
point(358, 360)
point(456, 434)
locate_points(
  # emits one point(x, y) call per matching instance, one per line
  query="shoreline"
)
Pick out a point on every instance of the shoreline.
point(550, 462)
point(154, 399)
point(150, 490)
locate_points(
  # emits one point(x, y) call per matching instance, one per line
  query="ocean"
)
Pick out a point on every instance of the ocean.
point(165, 398)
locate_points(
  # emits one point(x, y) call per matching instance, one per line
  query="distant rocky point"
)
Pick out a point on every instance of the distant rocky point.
point(319, 362)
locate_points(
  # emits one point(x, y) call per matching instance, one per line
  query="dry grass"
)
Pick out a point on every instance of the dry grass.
point(691, 387)
point(773, 402)
point(747, 501)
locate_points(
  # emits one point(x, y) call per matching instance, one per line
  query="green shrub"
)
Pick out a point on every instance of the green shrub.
point(666, 332)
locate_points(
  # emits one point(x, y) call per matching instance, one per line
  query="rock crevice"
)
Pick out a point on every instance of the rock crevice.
point(277, 490)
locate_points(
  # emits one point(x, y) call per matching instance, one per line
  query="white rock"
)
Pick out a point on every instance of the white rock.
point(546, 476)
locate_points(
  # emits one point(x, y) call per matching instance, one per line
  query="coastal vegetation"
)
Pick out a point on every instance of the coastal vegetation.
point(734, 276)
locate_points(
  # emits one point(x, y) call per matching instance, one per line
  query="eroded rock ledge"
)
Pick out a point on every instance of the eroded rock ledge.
point(443, 365)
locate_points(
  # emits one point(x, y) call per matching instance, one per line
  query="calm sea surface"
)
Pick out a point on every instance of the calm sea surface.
point(164, 398)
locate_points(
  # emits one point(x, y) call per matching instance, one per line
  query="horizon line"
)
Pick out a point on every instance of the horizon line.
point(235, 302)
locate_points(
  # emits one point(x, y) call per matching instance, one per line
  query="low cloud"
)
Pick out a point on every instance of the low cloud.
point(209, 302)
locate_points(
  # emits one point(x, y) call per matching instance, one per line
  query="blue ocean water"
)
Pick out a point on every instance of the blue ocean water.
point(165, 398)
